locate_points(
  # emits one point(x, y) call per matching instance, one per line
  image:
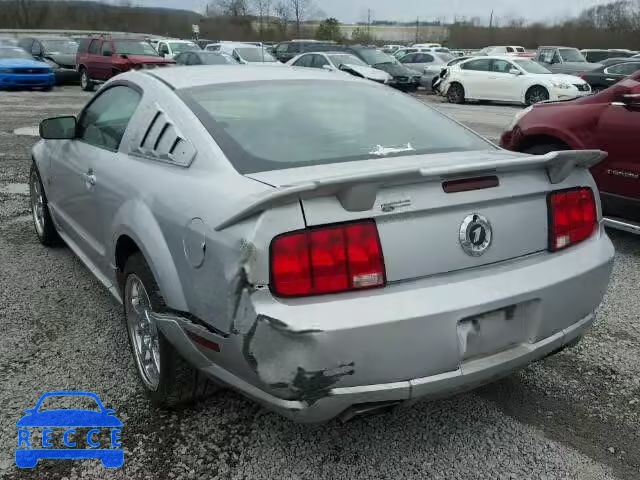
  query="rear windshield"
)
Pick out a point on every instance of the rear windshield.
point(571, 55)
point(263, 126)
point(251, 54)
point(60, 46)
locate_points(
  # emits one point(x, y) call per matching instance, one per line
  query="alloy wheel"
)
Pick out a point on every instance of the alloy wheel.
point(37, 203)
point(143, 332)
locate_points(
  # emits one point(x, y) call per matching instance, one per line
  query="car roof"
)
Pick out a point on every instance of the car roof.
point(186, 77)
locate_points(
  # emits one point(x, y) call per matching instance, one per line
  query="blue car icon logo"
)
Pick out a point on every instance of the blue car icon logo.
point(59, 428)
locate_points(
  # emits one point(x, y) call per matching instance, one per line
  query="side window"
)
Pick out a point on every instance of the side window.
point(510, 50)
point(623, 68)
point(501, 66)
point(282, 48)
point(94, 48)
point(36, 49)
point(182, 59)
point(319, 61)
point(424, 58)
point(105, 120)
point(546, 55)
point(107, 49)
point(556, 57)
point(480, 65)
point(193, 59)
point(408, 58)
point(304, 61)
point(25, 44)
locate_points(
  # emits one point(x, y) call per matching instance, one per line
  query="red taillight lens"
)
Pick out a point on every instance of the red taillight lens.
point(329, 259)
point(572, 217)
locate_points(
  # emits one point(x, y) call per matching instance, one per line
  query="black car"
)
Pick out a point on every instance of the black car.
point(403, 78)
point(285, 51)
point(598, 55)
point(605, 76)
point(58, 52)
point(203, 57)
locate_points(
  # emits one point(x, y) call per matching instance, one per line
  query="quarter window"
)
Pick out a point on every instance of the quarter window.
point(105, 120)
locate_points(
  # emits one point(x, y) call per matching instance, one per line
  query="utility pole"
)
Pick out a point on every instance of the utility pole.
point(369, 23)
point(491, 20)
point(417, 28)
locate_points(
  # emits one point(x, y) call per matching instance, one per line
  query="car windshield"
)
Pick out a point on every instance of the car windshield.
point(373, 56)
point(179, 47)
point(530, 66)
point(214, 58)
point(571, 55)
point(324, 122)
point(252, 54)
point(60, 46)
point(338, 60)
point(135, 47)
point(12, 52)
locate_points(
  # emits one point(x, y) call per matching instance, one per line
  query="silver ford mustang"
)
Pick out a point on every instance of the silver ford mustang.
point(323, 244)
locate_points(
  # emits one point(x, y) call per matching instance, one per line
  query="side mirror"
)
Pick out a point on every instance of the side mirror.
point(329, 67)
point(36, 52)
point(514, 71)
point(59, 128)
point(29, 410)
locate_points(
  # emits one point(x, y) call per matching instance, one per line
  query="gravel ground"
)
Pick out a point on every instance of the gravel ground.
point(571, 416)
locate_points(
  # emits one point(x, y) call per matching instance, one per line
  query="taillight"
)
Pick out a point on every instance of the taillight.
point(572, 217)
point(330, 259)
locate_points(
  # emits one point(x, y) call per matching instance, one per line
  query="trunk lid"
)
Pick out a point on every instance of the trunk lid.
point(421, 227)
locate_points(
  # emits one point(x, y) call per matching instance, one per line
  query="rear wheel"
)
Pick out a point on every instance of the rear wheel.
point(535, 95)
point(168, 379)
point(455, 94)
point(85, 82)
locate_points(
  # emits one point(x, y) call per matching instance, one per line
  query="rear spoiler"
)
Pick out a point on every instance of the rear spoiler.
point(357, 192)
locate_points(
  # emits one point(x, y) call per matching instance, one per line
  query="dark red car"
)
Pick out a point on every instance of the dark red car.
point(100, 58)
point(607, 121)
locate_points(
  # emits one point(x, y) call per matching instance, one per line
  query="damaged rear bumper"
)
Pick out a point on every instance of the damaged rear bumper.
point(312, 360)
point(469, 375)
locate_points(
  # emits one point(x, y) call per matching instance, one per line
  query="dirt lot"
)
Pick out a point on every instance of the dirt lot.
point(574, 415)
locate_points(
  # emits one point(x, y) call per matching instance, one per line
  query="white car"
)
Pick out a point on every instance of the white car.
point(503, 50)
point(426, 45)
point(245, 53)
point(171, 48)
point(340, 62)
point(509, 79)
point(406, 51)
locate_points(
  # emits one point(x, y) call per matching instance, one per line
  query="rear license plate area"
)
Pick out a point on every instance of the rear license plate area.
point(492, 332)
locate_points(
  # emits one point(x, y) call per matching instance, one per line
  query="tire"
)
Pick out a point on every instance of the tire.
point(40, 213)
point(455, 93)
point(544, 148)
point(176, 383)
point(85, 81)
point(536, 94)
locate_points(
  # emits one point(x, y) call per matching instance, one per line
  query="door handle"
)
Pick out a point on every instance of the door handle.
point(610, 79)
point(89, 177)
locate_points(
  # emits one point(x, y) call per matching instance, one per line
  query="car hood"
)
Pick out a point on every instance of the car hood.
point(22, 63)
point(395, 69)
point(69, 418)
point(148, 59)
point(62, 59)
point(367, 72)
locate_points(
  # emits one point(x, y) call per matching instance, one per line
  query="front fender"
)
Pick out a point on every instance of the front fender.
point(135, 220)
point(542, 130)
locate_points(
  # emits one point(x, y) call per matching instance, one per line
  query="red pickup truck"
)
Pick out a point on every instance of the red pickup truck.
point(607, 121)
point(100, 58)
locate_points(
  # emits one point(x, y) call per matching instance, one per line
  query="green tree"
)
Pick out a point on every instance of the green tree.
point(361, 36)
point(329, 29)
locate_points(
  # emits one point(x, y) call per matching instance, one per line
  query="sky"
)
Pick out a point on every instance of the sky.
point(348, 11)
